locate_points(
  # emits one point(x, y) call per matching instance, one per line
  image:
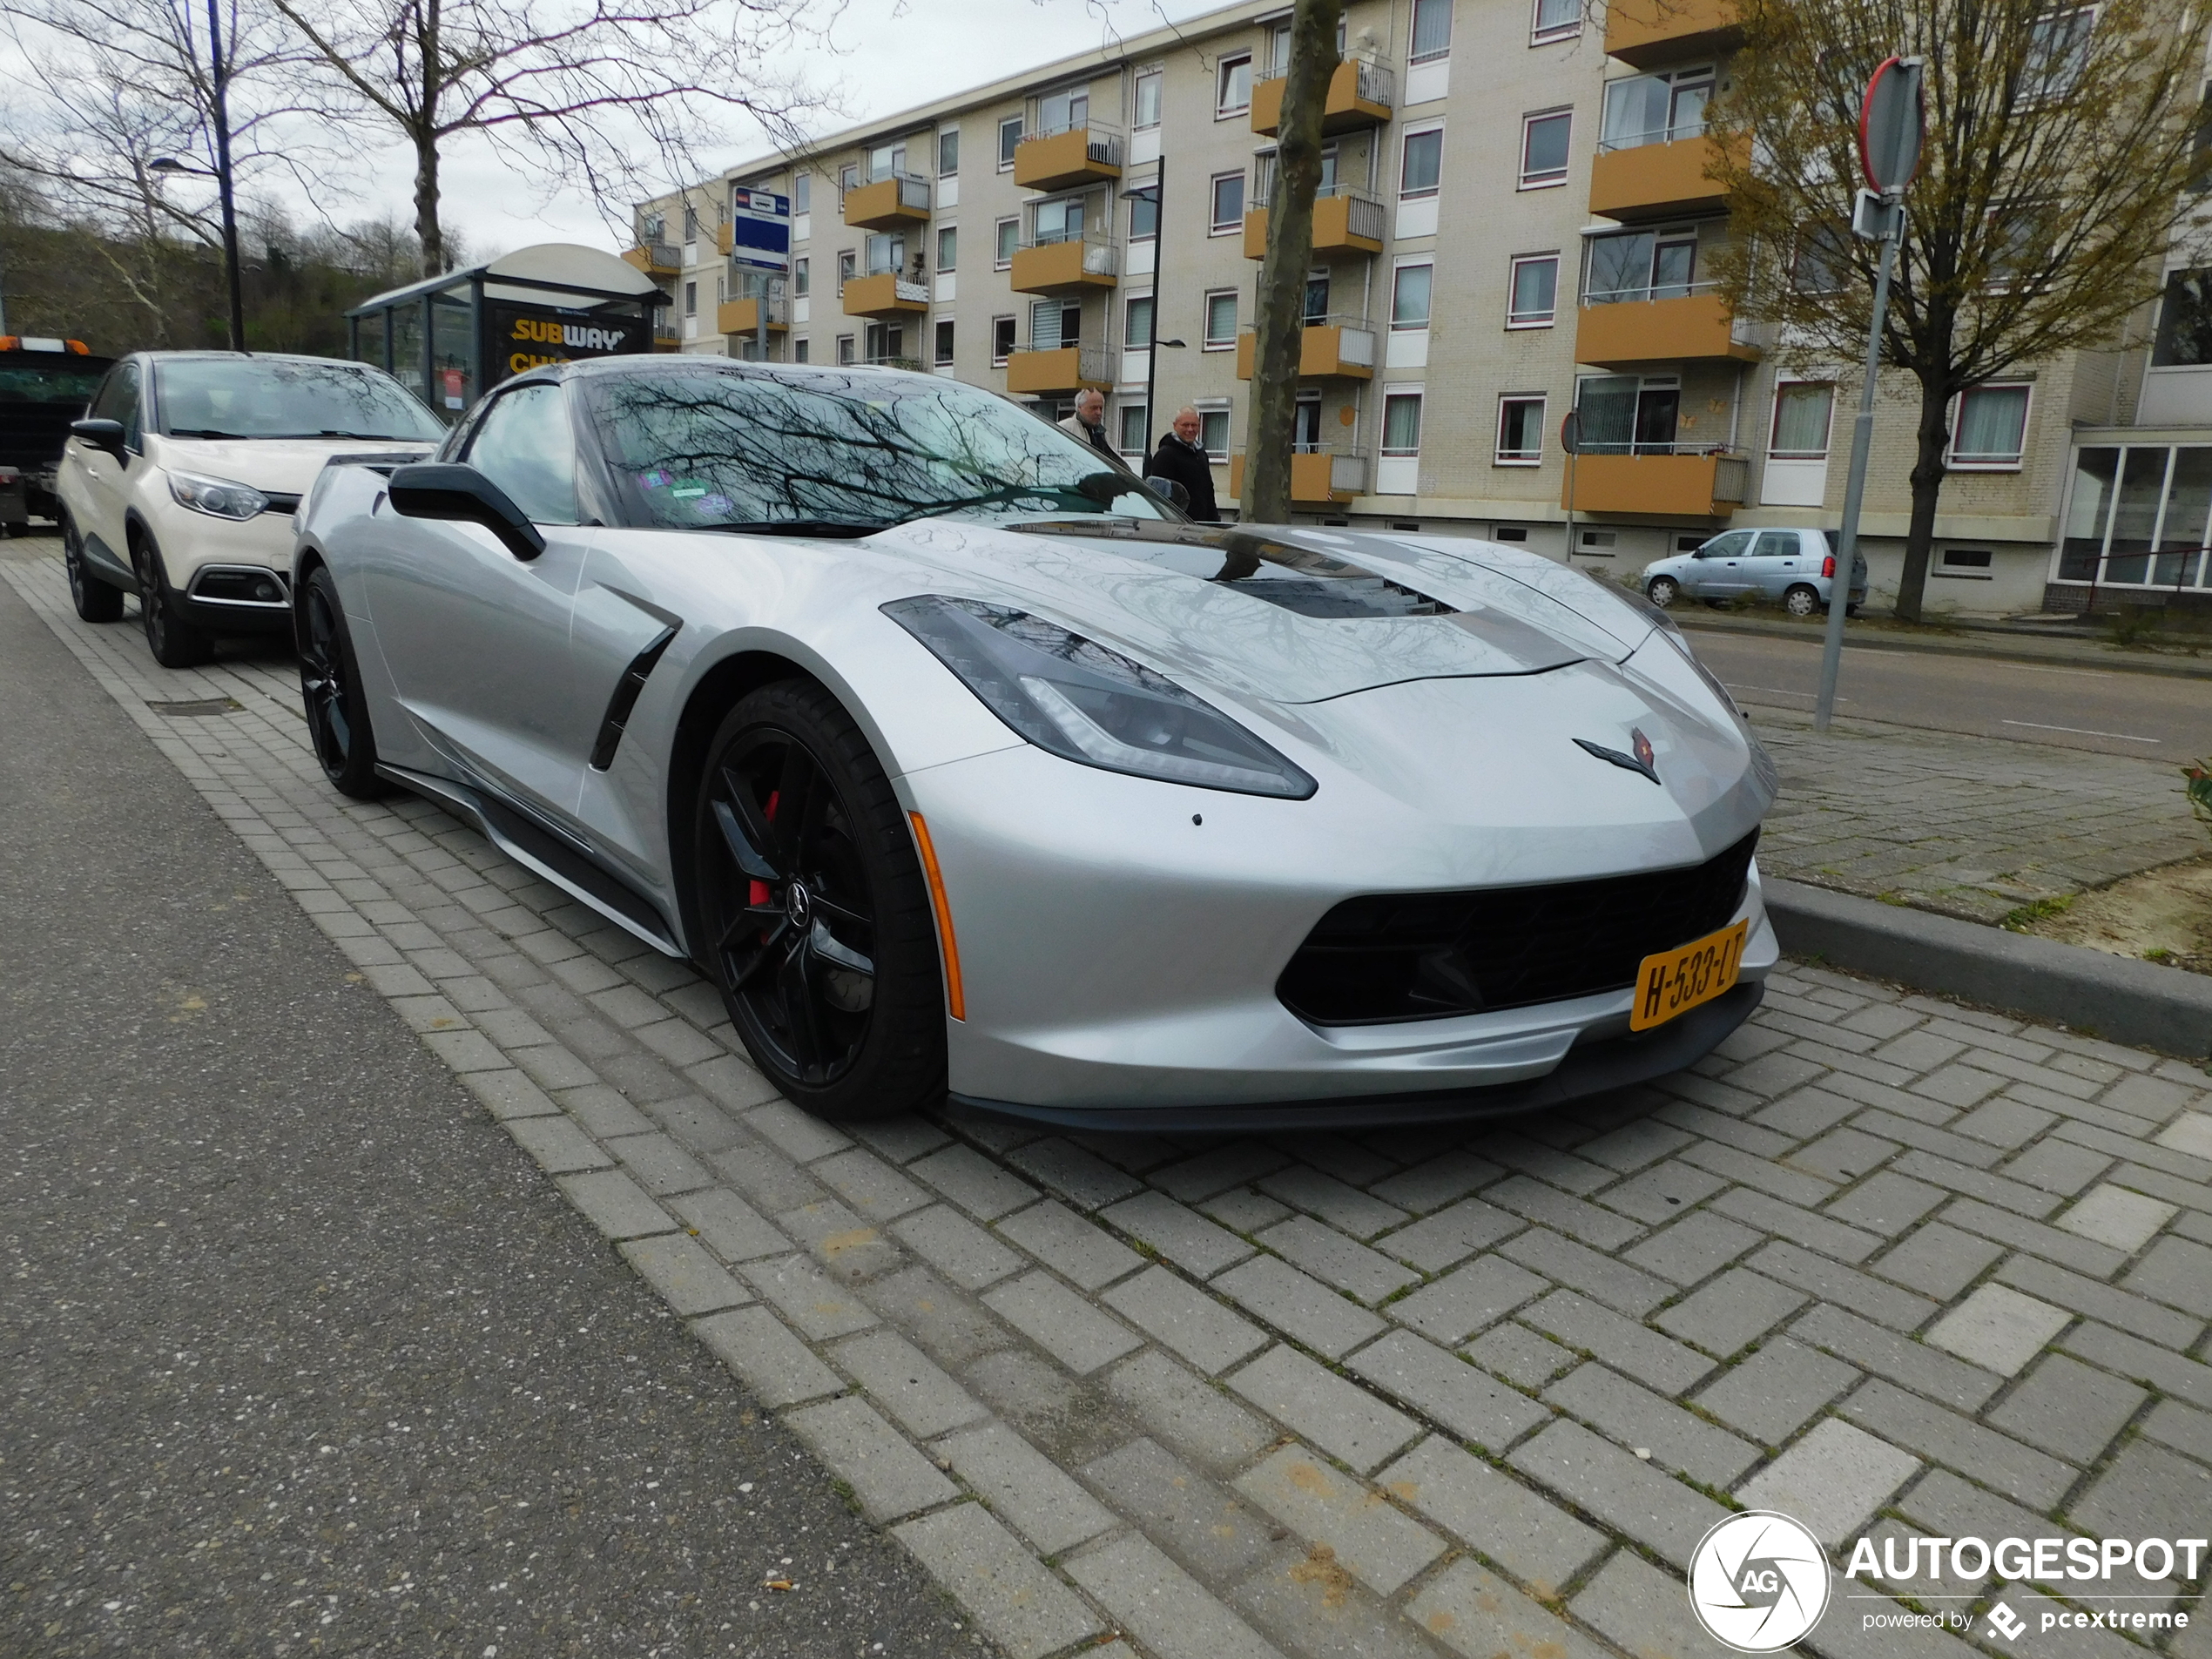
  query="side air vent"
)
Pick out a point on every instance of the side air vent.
point(625, 698)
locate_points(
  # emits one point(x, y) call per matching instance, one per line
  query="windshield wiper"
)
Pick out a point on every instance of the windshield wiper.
point(200, 432)
point(836, 528)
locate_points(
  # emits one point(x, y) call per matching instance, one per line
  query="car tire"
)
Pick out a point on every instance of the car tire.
point(330, 686)
point(1662, 591)
point(174, 642)
point(95, 600)
point(844, 886)
point(1801, 601)
point(1852, 611)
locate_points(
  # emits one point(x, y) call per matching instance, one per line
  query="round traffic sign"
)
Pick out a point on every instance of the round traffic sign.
point(1892, 120)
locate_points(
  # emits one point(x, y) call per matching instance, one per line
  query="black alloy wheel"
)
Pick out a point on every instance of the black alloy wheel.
point(95, 600)
point(330, 686)
point(816, 921)
point(174, 642)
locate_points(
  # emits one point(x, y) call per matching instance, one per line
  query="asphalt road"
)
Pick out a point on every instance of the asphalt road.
point(2157, 717)
point(298, 1353)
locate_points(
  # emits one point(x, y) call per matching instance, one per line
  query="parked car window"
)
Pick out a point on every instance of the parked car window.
point(1729, 545)
point(117, 399)
point(1778, 544)
point(263, 397)
point(526, 446)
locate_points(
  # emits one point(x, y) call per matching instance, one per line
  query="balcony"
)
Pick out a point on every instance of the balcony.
point(888, 204)
point(1083, 155)
point(665, 338)
point(656, 258)
point(743, 316)
point(1345, 221)
point(1361, 94)
point(1331, 347)
point(1653, 33)
point(1635, 330)
point(885, 294)
point(1320, 477)
point(1661, 175)
point(1087, 261)
point(1032, 370)
point(1708, 485)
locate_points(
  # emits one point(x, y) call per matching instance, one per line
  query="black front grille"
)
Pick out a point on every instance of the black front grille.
point(1429, 955)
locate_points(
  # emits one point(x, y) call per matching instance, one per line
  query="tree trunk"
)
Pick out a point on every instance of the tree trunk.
point(1281, 307)
point(427, 231)
point(1934, 437)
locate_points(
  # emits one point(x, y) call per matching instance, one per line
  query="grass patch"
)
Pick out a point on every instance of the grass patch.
point(2023, 920)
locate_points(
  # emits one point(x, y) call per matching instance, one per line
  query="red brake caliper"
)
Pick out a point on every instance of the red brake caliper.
point(758, 893)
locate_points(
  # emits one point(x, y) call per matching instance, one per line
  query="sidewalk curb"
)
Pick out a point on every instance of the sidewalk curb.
point(2093, 659)
point(2117, 998)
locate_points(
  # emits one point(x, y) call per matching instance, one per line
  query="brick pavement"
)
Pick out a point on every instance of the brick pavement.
point(1881, 1261)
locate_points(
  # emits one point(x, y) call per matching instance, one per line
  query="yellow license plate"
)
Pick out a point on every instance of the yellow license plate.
point(1676, 980)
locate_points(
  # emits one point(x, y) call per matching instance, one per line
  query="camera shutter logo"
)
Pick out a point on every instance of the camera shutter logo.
point(1758, 1581)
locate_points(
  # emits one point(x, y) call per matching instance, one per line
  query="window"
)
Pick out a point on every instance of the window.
point(1556, 20)
point(690, 299)
point(948, 152)
point(1422, 164)
point(948, 247)
point(1221, 319)
point(1822, 263)
point(654, 229)
point(1058, 221)
point(1535, 289)
point(1402, 424)
point(1655, 109)
point(1233, 86)
point(1009, 237)
point(1802, 411)
point(799, 352)
point(1146, 107)
point(944, 343)
point(802, 192)
point(1967, 558)
point(1135, 430)
point(1009, 135)
point(2200, 177)
point(1409, 295)
point(690, 224)
point(2184, 321)
point(1144, 217)
point(886, 161)
point(1001, 339)
point(887, 252)
point(1228, 203)
point(1991, 429)
point(844, 349)
point(2058, 50)
point(526, 446)
point(1137, 324)
point(1640, 264)
point(1543, 149)
point(1055, 324)
point(721, 289)
point(1521, 432)
point(1064, 110)
point(1213, 433)
point(1431, 30)
point(847, 267)
point(1317, 297)
point(799, 279)
point(2021, 238)
point(848, 179)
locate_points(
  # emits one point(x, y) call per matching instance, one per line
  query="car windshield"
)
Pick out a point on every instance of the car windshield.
point(728, 448)
point(61, 381)
point(267, 397)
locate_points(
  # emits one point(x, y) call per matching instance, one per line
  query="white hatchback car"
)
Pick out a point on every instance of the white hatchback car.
point(180, 482)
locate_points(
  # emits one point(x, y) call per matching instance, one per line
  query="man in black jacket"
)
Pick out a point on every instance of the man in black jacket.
point(1180, 459)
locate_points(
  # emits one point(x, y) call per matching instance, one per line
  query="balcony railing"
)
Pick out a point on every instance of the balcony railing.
point(1659, 478)
point(1068, 156)
point(1048, 262)
point(1361, 93)
point(1652, 135)
point(1100, 144)
point(1336, 344)
point(1320, 473)
point(1647, 291)
point(894, 359)
point(656, 257)
point(1344, 210)
point(894, 199)
point(1058, 369)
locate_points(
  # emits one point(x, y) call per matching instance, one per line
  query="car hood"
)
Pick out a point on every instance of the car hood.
point(282, 465)
point(1285, 614)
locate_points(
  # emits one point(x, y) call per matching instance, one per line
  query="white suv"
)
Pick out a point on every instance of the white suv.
point(180, 482)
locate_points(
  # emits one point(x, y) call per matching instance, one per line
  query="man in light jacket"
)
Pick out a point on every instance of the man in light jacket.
point(1087, 424)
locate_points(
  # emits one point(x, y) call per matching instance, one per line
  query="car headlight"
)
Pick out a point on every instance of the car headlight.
point(1084, 703)
point(217, 497)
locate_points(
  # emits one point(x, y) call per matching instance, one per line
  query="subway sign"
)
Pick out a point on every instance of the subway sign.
point(522, 337)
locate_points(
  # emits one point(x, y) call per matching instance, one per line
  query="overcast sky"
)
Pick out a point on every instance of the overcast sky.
point(894, 55)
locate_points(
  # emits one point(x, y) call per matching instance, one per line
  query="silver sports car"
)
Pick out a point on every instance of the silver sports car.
point(963, 763)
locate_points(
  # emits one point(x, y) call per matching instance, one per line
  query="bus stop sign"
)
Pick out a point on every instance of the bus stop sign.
point(760, 231)
point(1892, 119)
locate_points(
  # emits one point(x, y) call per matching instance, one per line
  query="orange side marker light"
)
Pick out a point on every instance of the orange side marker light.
point(956, 999)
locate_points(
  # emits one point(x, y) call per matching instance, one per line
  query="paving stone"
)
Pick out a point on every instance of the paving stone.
point(1520, 1529)
point(1025, 1486)
point(689, 1279)
point(1695, 1248)
point(1187, 1320)
point(1061, 1323)
point(1917, 1365)
point(1473, 1612)
point(2036, 1237)
point(2100, 1301)
point(1958, 1443)
point(1339, 1205)
point(1640, 1609)
point(1634, 1145)
point(1771, 1216)
point(973, 1182)
point(1660, 1193)
point(1448, 1391)
point(1629, 1290)
point(2067, 1409)
point(732, 1228)
point(1071, 1247)
point(869, 1185)
point(1939, 1260)
point(1379, 1546)
point(1163, 1605)
point(767, 1178)
point(2145, 1492)
point(2015, 1196)
point(799, 1135)
point(1734, 1309)
point(901, 1139)
point(2140, 1361)
point(1183, 1236)
point(1532, 1200)
point(854, 1250)
point(1339, 1417)
point(1242, 1210)
point(1843, 1155)
point(1075, 1174)
point(886, 1474)
point(906, 1383)
point(776, 1365)
point(1434, 1181)
point(1805, 1112)
point(1624, 1493)
point(1209, 1529)
point(1640, 1419)
point(819, 1307)
point(1198, 1420)
point(617, 1205)
point(1468, 1298)
point(2191, 1133)
point(2178, 1271)
point(2114, 1216)
point(1885, 1202)
point(2057, 1166)
point(955, 1246)
point(1535, 1149)
point(1791, 1186)
point(1520, 1355)
point(2182, 1426)
point(1307, 1601)
point(559, 1146)
point(2004, 1123)
point(1450, 1235)
point(1832, 1282)
point(1021, 1606)
point(1235, 1164)
point(1832, 1481)
point(1621, 1342)
point(1777, 1391)
point(510, 1094)
point(1998, 1329)
point(1303, 1309)
point(1329, 1256)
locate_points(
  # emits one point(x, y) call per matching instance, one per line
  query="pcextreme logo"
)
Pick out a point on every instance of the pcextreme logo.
point(1758, 1581)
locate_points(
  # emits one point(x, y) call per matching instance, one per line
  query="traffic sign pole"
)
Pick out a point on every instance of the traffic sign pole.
point(1862, 437)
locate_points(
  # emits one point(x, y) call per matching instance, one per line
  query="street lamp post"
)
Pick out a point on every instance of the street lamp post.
point(221, 175)
point(1156, 193)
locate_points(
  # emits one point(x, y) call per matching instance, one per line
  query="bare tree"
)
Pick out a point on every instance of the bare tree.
point(2059, 148)
point(588, 95)
point(1280, 309)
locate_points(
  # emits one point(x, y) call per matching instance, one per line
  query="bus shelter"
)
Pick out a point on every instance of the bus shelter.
point(452, 338)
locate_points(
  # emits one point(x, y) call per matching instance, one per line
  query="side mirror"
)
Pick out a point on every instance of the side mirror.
point(1172, 491)
point(440, 489)
point(100, 435)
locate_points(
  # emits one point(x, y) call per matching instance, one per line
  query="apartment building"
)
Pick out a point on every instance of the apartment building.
point(1514, 222)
